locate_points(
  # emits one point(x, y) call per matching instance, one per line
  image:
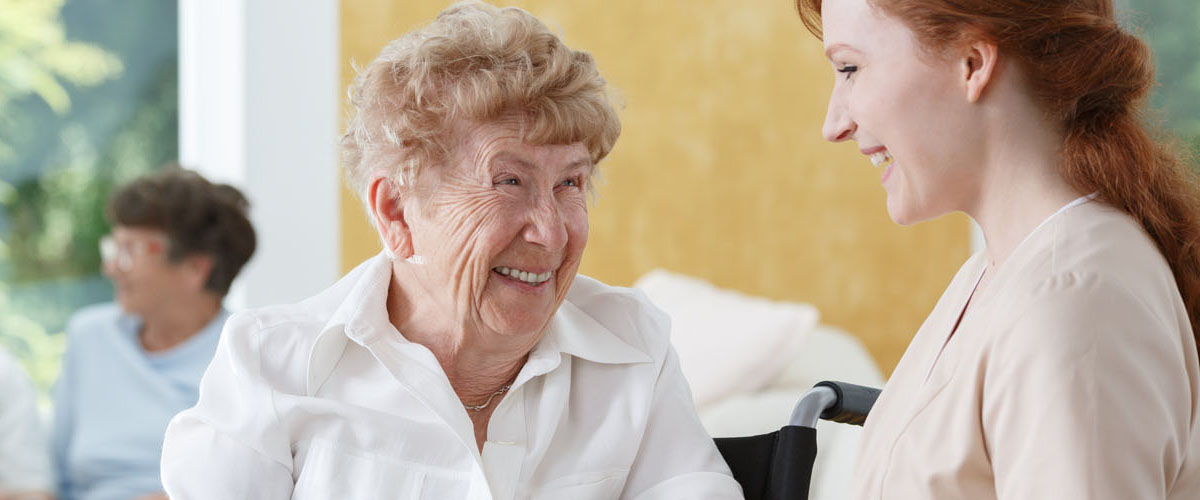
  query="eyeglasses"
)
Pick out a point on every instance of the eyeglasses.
point(122, 253)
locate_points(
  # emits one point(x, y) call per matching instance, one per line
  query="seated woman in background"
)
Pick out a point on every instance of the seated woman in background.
point(177, 243)
point(466, 361)
point(1061, 362)
point(24, 457)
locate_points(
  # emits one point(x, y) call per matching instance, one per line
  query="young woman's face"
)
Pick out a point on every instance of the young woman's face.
point(905, 107)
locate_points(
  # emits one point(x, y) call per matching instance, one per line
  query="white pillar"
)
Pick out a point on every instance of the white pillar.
point(977, 241)
point(258, 91)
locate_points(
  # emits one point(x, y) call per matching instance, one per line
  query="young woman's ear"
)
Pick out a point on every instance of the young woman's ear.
point(385, 198)
point(979, 61)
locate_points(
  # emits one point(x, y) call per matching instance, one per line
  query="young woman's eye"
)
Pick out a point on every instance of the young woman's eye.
point(847, 70)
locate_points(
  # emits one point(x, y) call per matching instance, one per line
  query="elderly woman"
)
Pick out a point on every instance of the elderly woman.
point(1061, 362)
point(177, 243)
point(467, 360)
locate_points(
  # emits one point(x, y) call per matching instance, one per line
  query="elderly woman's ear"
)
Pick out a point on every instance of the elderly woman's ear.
point(386, 200)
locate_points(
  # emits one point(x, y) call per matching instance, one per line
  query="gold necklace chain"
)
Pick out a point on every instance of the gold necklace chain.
point(479, 408)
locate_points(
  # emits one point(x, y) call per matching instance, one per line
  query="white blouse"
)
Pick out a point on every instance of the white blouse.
point(24, 454)
point(325, 399)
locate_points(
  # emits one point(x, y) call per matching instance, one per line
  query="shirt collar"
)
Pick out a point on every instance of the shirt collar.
point(362, 317)
point(360, 314)
point(575, 332)
point(130, 325)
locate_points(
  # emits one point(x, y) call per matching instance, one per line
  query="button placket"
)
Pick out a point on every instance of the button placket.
point(504, 451)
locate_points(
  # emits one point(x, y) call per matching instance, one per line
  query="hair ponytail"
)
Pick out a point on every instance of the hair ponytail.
point(1109, 149)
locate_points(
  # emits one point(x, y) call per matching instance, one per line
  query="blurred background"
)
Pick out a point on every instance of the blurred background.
point(720, 172)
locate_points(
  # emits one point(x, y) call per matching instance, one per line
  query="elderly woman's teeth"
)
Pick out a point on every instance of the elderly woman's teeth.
point(525, 276)
point(881, 158)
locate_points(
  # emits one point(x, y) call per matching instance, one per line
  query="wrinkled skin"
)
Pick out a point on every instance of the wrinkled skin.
point(496, 202)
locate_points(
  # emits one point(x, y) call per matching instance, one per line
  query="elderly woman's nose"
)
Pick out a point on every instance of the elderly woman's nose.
point(838, 124)
point(546, 227)
point(108, 267)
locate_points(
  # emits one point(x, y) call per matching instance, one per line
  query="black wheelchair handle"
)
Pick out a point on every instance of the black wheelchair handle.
point(853, 403)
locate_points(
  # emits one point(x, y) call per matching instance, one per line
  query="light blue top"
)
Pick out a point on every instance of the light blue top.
point(113, 400)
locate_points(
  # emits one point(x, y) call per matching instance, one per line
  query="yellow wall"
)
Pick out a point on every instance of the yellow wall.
point(720, 171)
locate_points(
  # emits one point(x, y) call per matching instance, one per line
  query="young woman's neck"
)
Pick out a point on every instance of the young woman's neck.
point(1021, 185)
point(177, 321)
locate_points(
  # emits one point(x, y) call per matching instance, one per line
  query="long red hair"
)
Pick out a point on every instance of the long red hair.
point(1094, 77)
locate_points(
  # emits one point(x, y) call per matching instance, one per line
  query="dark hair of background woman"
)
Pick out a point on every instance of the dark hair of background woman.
point(198, 216)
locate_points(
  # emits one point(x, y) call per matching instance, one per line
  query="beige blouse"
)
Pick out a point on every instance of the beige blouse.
point(1074, 374)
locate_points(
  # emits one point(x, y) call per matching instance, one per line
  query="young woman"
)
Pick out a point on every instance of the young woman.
point(1061, 362)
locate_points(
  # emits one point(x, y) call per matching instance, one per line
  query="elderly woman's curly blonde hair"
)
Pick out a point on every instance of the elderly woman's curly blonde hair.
point(475, 62)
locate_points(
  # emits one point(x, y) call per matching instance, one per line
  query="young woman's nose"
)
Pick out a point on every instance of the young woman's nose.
point(838, 124)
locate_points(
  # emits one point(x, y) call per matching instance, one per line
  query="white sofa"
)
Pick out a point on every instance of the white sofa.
point(749, 360)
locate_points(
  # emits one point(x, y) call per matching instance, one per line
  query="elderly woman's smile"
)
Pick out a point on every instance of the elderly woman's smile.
point(531, 278)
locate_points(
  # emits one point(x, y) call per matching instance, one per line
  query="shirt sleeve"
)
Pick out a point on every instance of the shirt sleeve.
point(24, 457)
point(1087, 396)
point(230, 445)
point(677, 458)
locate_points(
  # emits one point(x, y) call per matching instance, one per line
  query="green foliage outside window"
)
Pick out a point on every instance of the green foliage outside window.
point(88, 90)
point(1173, 32)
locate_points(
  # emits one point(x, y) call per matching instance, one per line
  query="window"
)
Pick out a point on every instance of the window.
point(89, 90)
point(1173, 32)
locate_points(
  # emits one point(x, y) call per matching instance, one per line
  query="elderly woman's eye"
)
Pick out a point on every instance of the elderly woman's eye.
point(510, 181)
point(572, 183)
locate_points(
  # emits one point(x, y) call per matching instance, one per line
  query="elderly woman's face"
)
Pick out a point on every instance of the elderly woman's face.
point(502, 227)
point(135, 259)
